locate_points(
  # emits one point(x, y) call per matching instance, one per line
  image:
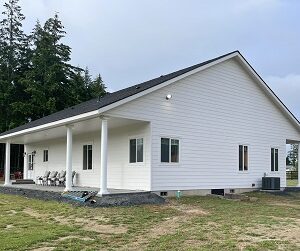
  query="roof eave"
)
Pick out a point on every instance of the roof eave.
point(54, 124)
point(95, 113)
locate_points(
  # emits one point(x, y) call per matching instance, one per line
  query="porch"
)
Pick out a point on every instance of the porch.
point(97, 149)
point(115, 197)
point(293, 177)
point(60, 189)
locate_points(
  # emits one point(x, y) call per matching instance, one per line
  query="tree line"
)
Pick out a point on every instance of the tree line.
point(36, 76)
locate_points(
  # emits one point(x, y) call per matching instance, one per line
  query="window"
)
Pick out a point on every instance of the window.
point(45, 158)
point(243, 158)
point(30, 161)
point(274, 159)
point(169, 150)
point(136, 150)
point(87, 157)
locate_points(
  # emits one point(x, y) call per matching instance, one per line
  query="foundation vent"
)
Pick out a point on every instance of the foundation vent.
point(163, 194)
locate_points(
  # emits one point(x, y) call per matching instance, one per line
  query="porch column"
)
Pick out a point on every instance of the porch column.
point(7, 164)
point(25, 170)
point(299, 165)
point(69, 158)
point(103, 172)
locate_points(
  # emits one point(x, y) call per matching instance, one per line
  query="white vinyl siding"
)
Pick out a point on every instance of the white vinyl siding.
point(205, 113)
point(121, 174)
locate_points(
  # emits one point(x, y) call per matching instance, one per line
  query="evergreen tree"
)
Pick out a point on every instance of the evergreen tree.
point(97, 87)
point(13, 50)
point(78, 91)
point(36, 77)
point(49, 82)
point(87, 78)
point(12, 38)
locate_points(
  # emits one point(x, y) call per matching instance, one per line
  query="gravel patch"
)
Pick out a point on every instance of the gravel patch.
point(128, 199)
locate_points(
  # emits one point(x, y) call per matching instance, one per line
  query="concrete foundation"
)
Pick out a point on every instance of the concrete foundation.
point(202, 192)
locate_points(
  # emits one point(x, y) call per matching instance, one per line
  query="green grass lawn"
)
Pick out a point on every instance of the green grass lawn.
point(193, 223)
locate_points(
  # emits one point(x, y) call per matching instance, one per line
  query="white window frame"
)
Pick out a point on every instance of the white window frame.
point(30, 159)
point(243, 171)
point(179, 150)
point(136, 138)
point(87, 157)
point(275, 148)
point(44, 155)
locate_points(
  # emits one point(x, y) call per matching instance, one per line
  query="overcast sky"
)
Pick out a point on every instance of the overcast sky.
point(135, 40)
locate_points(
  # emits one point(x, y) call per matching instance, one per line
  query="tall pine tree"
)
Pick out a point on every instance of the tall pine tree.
point(49, 82)
point(36, 77)
point(97, 87)
point(13, 50)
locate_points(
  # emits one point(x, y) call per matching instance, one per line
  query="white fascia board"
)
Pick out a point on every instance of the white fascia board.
point(53, 124)
point(269, 91)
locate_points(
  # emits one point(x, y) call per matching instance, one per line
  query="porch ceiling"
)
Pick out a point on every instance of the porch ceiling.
point(291, 141)
point(81, 127)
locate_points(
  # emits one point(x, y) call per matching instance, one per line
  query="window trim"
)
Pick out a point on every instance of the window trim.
point(136, 137)
point(170, 146)
point(82, 146)
point(270, 152)
point(238, 158)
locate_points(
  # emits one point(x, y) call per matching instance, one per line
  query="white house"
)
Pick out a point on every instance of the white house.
point(215, 125)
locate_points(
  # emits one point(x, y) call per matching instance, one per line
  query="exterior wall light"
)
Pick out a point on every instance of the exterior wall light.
point(168, 97)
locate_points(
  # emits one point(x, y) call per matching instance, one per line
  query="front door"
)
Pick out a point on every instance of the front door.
point(30, 166)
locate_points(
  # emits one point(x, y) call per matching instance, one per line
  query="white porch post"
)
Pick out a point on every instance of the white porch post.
point(25, 170)
point(299, 165)
point(69, 158)
point(103, 173)
point(7, 164)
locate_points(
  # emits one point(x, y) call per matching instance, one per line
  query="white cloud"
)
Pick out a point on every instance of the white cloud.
point(287, 88)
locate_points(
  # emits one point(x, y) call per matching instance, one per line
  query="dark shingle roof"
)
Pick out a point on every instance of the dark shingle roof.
point(95, 104)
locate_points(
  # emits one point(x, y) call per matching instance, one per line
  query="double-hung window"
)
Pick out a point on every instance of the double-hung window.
point(243, 158)
point(87, 157)
point(45, 156)
point(274, 159)
point(169, 150)
point(136, 150)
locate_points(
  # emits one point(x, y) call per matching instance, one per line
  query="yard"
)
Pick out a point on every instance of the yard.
point(267, 222)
